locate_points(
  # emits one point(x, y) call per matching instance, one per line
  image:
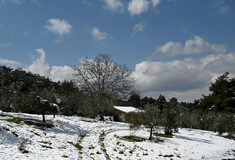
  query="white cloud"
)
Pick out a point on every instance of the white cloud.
point(138, 28)
point(56, 73)
point(10, 63)
point(156, 2)
point(114, 5)
point(39, 66)
point(61, 73)
point(36, 2)
point(60, 27)
point(98, 35)
point(221, 7)
point(196, 45)
point(4, 45)
point(2, 2)
point(87, 2)
point(185, 79)
point(137, 7)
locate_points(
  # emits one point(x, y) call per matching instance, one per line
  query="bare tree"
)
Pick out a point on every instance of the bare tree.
point(103, 79)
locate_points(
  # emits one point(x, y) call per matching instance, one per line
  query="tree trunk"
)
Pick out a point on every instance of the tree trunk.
point(54, 116)
point(151, 132)
point(43, 118)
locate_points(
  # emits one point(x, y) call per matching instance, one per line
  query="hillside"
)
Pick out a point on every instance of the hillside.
point(23, 136)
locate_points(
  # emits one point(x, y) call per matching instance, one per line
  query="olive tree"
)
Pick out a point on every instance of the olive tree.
point(104, 80)
point(149, 118)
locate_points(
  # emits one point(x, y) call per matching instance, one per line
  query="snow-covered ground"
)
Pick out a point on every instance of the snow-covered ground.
point(101, 140)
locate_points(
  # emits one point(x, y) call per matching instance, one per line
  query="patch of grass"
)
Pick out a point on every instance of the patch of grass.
point(62, 147)
point(39, 124)
point(15, 134)
point(2, 115)
point(70, 142)
point(101, 141)
point(83, 135)
point(14, 120)
point(171, 155)
point(91, 147)
point(64, 156)
point(131, 151)
point(6, 129)
point(132, 138)
point(178, 156)
point(45, 146)
point(36, 133)
point(158, 140)
point(162, 135)
point(44, 142)
point(118, 143)
point(145, 154)
point(78, 146)
point(229, 137)
point(90, 121)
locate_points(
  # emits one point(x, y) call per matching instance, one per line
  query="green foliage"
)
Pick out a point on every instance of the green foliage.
point(14, 120)
point(148, 101)
point(45, 146)
point(229, 137)
point(78, 146)
point(222, 96)
point(18, 90)
point(149, 118)
point(134, 100)
point(224, 122)
point(89, 121)
point(170, 155)
point(162, 135)
point(65, 156)
point(171, 116)
point(132, 138)
point(161, 102)
point(39, 124)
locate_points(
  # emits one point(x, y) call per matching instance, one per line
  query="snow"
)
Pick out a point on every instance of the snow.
point(99, 139)
point(58, 100)
point(127, 109)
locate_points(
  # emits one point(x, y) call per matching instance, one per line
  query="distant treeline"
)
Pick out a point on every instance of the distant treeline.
point(19, 91)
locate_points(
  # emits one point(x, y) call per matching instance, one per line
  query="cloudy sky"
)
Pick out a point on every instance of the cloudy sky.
point(174, 47)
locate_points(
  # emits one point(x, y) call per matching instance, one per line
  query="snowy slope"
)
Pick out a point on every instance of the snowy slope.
point(99, 141)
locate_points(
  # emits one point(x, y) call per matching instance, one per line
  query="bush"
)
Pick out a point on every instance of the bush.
point(224, 122)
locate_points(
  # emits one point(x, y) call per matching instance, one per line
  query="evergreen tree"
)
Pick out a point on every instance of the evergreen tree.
point(171, 116)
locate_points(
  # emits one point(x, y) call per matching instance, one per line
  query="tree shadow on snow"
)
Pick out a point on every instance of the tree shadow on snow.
point(62, 127)
point(194, 139)
point(7, 137)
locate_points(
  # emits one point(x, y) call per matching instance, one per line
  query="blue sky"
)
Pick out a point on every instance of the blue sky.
point(174, 47)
